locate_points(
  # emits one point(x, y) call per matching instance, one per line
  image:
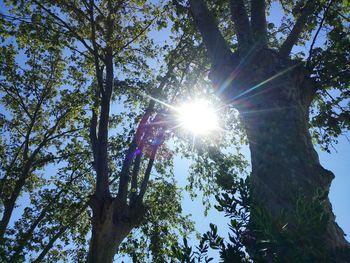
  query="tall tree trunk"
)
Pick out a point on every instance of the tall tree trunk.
point(284, 162)
point(112, 221)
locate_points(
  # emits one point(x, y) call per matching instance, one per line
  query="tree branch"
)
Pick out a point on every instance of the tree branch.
point(23, 239)
point(141, 139)
point(64, 24)
point(63, 229)
point(95, 49)
point(135, 37)
point(75, 9)
point(102, 172)
point(135, 173)
point(241, 24)
point(124, 174)
point(59, 157)
point(102, 185)
point(47, 28)
point(216, 45)
point(137, 142)
point(298, 28)
point(144, 184)
point(102, 169)
point(93, 135)
point(9, 203)
point(49, 245)
point(19, 99)
point(317, 32)
point(258, 20)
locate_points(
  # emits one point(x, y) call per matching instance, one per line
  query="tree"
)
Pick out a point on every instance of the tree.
point(95, 44)
point(42, 114)
point(274, 90)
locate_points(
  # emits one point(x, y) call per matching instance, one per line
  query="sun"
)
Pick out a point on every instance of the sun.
point(198, 117)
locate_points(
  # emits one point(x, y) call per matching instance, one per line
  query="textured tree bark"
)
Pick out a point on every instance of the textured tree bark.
point(112, 221)
point(105, 240)
point(276, 117)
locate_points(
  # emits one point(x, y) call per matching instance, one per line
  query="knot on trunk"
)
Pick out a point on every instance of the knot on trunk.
point(125, 213)
point(101, 206)
point(326, 178)
point(116, 211)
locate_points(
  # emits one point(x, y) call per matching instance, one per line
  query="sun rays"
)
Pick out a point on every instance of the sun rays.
point(196, 116)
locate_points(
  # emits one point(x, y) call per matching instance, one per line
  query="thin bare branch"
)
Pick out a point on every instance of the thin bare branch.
point(317, 32)
point(127, 44)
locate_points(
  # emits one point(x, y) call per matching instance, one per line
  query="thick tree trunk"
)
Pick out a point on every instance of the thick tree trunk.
point(273, 95)
point(8, 209)
point(112, 221)
point(105, 240)
point(284, 162)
